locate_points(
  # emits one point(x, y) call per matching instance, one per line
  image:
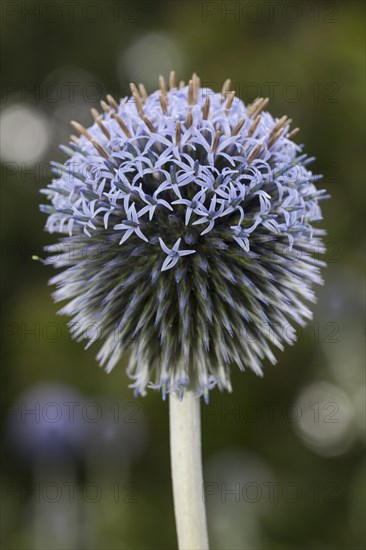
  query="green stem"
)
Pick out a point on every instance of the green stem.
point(186, 464)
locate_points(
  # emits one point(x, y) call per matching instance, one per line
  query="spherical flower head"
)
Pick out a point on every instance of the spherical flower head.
point(189, 235)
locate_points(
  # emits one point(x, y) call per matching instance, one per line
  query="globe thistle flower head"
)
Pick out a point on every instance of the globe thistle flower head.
point(199, 212)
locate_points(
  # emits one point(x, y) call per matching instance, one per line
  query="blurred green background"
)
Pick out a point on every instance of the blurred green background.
point(283, 455)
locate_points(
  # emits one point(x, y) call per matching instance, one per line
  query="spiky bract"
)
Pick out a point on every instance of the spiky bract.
point(190, 235)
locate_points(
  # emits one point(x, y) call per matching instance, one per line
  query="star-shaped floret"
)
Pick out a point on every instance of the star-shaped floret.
point(209, 214)
point(131, 225)
point(173, 254)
